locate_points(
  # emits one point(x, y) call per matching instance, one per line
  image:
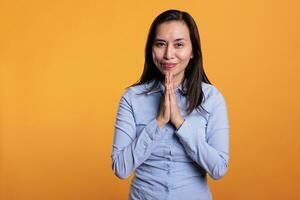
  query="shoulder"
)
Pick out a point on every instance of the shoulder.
point(212, 96)
point(133, 92)
point(210, 90)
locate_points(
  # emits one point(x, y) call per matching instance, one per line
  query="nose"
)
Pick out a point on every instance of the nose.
point(169, 52)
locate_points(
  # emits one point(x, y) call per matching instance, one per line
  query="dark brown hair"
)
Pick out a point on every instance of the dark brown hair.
point(194, 73)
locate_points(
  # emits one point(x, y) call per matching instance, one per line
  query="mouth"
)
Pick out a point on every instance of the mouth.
point(168, 66)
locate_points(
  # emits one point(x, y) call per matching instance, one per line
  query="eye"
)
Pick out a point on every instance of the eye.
point(159, 44)
point(179, 45)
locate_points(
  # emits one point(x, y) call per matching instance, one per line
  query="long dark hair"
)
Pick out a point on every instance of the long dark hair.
point(194, 73)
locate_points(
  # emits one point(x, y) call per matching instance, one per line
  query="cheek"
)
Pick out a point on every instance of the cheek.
point(156, 54)
point(156, 57)
point(184, 58)
point(185, 55)
point(153, 56)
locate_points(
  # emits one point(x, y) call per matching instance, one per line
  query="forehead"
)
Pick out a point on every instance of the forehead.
point(172, 30)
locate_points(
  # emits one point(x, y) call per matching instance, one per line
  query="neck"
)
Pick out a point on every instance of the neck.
point(177, 80)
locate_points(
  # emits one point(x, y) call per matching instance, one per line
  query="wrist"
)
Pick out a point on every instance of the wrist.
point(160, 122)
point(179, 122)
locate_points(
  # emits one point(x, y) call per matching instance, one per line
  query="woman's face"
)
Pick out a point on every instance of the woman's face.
point(172, 48)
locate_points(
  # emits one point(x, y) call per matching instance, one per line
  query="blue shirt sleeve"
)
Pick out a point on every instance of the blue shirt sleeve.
point(208, 144)
point(129, 150)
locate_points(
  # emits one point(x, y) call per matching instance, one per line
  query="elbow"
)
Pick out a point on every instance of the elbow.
point(119, 171)
point(121, 175)
point(217, 176)
point(219, 171)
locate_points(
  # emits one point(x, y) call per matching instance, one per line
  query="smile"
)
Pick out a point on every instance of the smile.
point(168, 65)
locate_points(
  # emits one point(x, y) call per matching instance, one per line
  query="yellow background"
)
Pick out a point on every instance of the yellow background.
point(63, 68)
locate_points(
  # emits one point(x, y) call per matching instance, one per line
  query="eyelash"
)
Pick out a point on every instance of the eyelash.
point(179, 45)
point(159, 44)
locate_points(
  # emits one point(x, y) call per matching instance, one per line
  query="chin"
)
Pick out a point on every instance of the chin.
point(168, 70)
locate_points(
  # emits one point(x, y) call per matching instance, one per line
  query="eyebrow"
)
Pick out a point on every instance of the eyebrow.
point(178, 39)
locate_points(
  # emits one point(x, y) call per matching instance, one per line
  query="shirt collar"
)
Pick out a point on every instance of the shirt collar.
point(161, 88)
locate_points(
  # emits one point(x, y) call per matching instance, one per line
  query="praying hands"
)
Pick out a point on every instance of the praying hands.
point(169, 110)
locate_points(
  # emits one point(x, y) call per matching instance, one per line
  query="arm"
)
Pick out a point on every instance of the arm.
point(130, 151)
point(212, 155)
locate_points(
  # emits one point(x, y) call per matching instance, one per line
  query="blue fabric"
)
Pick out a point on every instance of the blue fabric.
point(169, 163)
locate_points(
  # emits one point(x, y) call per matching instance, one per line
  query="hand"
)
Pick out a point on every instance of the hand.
point(168, 106)
point(164, 111)
point(175, 117)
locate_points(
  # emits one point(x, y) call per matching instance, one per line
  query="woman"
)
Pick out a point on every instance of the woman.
point(171, 128)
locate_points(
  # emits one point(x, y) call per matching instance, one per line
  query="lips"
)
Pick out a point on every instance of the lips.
point(168, 65)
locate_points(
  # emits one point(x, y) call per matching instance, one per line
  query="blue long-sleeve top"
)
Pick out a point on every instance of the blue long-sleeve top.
point(169, 163)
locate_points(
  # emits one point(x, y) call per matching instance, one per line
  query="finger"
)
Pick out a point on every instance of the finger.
point(171, 94)
point(171, 81)
point(166, 83)
point(166, 79)
point(169, 78)
point(167, 97)
point(171, 85)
